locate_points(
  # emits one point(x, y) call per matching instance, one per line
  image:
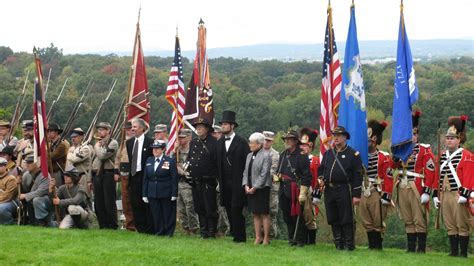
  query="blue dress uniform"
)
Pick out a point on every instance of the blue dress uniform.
point(160, 186)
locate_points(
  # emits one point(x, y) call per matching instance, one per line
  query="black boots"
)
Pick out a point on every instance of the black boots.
point(311, 239)
point(421, 242)
point(348, 235)
point(411, 242)
point(454, 242)
point(375, 240)
point(203, 226)
point(337, 234)
point(463, 244)
point(212, 227)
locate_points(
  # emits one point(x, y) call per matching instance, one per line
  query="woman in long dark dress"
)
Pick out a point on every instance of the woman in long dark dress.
point(257, 182)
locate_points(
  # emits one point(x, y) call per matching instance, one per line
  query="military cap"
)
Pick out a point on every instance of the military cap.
point(127, 125)
point(4, 123)
point(160, 128)
point(185, 132)
point(27, 124)
point(55, 127)
point(340, 130)
point(290, 134)
point(217, 129)
point(158, 144)
point(30, 159)
point(77, 132)
point(457, 127)
point(203, 121)
point(9, 150)
point(3, 161)
point(375, 129)
point(105, 125)
point(268, 135)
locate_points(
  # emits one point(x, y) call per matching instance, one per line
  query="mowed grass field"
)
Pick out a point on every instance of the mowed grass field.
point(51, 246)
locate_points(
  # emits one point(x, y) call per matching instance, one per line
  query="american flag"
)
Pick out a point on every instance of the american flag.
point(331, 87)
point(176, 98)
point(40, 122)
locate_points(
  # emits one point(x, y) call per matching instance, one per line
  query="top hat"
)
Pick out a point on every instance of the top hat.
point(228, 117)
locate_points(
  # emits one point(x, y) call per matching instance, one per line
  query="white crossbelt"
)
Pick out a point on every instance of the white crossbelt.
point(450, 165)
point(413, 174)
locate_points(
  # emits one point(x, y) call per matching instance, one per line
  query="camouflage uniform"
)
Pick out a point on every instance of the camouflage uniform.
point(274, 193)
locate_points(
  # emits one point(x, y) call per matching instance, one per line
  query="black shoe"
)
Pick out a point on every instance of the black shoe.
point(337, 234)
point(370, 239)
point(411, 242)
point(378, 240)
point(421, 242)
point(311, 240)
point(348, 236)
point(463, 244)
point(454, 243)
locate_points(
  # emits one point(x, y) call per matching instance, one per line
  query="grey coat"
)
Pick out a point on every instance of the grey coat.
point(260, 170)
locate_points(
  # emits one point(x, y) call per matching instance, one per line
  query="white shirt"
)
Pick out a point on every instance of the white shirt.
point(228, 142)
point(157, 161)
point(140, 148)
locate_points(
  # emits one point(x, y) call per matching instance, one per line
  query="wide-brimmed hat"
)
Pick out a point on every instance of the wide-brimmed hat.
point(340, 130)
point(9, 150)
point(105, 125)
point(158, 144)
point(228, 117)
point(203, 121)
point(4, 123)
point(77, 132)
point(55, 127)
point(160, 128)
point(291, 134)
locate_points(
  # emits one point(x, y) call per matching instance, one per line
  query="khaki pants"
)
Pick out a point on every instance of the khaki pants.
point(68, 221)
point(127, 204)
point(372, 212)
point(412, 211)
point(456, 216)
point(309, 214)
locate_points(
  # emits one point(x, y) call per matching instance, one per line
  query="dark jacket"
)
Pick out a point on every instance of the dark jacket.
point(330, 171)
point(231, 186)
point(295, 166)
point(202, 157)
point(162, 183)
point(146, 151)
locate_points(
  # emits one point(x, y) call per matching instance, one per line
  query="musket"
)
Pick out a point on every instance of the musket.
point(74, 111)
point(47, 82)
point(16, 112)
point(90, 131)
point(50, 113)
point(438, 165)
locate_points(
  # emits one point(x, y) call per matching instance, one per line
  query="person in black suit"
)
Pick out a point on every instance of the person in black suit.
point(160, 189)
point(232, 153)
point(138, 150)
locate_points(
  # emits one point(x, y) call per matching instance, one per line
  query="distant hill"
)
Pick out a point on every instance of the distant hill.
point(370, 50)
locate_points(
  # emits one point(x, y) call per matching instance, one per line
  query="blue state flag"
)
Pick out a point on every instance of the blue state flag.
point(352, 110)
point(405, 96)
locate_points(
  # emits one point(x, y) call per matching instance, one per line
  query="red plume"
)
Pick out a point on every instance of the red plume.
point(464, 118)
point(316, 131)
point(384, 124)
point(417, 113)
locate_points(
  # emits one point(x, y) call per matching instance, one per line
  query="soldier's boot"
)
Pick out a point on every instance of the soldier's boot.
point(454, 243)
point(212, 227)
point(291, 232)
point(371, 240)
point(421, 242)
point(337, 234)
point(348, 232)
point(77, 221)
point(203, 227)
point(378, 240)
point(463, 244)
point(311, 237)
point(411, 242)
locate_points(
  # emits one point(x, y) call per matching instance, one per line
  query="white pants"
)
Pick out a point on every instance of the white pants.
point(73, 210)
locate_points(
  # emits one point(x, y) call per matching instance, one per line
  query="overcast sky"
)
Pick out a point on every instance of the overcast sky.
point(109, 25)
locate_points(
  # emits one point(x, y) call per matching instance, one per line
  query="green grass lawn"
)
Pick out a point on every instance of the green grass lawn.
point(29, 245)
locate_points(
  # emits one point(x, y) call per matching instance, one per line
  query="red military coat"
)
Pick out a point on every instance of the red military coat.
point(384, 171)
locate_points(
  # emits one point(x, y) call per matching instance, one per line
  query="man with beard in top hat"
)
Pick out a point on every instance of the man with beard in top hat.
point(295, 179)
point(203, 171)
point(232, 152)
point(341, 171)
point(454, 194)
point(415, 181)
point(377, 186)
point(58, 149)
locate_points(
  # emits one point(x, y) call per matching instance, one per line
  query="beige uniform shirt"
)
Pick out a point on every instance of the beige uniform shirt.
point(80, 157)
point(105, 155)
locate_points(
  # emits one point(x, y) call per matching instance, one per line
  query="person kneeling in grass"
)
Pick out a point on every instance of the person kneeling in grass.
point(71, 198)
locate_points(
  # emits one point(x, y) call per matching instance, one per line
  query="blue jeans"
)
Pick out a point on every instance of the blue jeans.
point(7, 212)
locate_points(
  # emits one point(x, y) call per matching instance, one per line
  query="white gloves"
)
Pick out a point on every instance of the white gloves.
point(425, 197)
point(385, 202)
point(472, 194)
point(462, 200)
point(316, 201)
point(174, 198)
point(436, 202)
point(145, 199)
